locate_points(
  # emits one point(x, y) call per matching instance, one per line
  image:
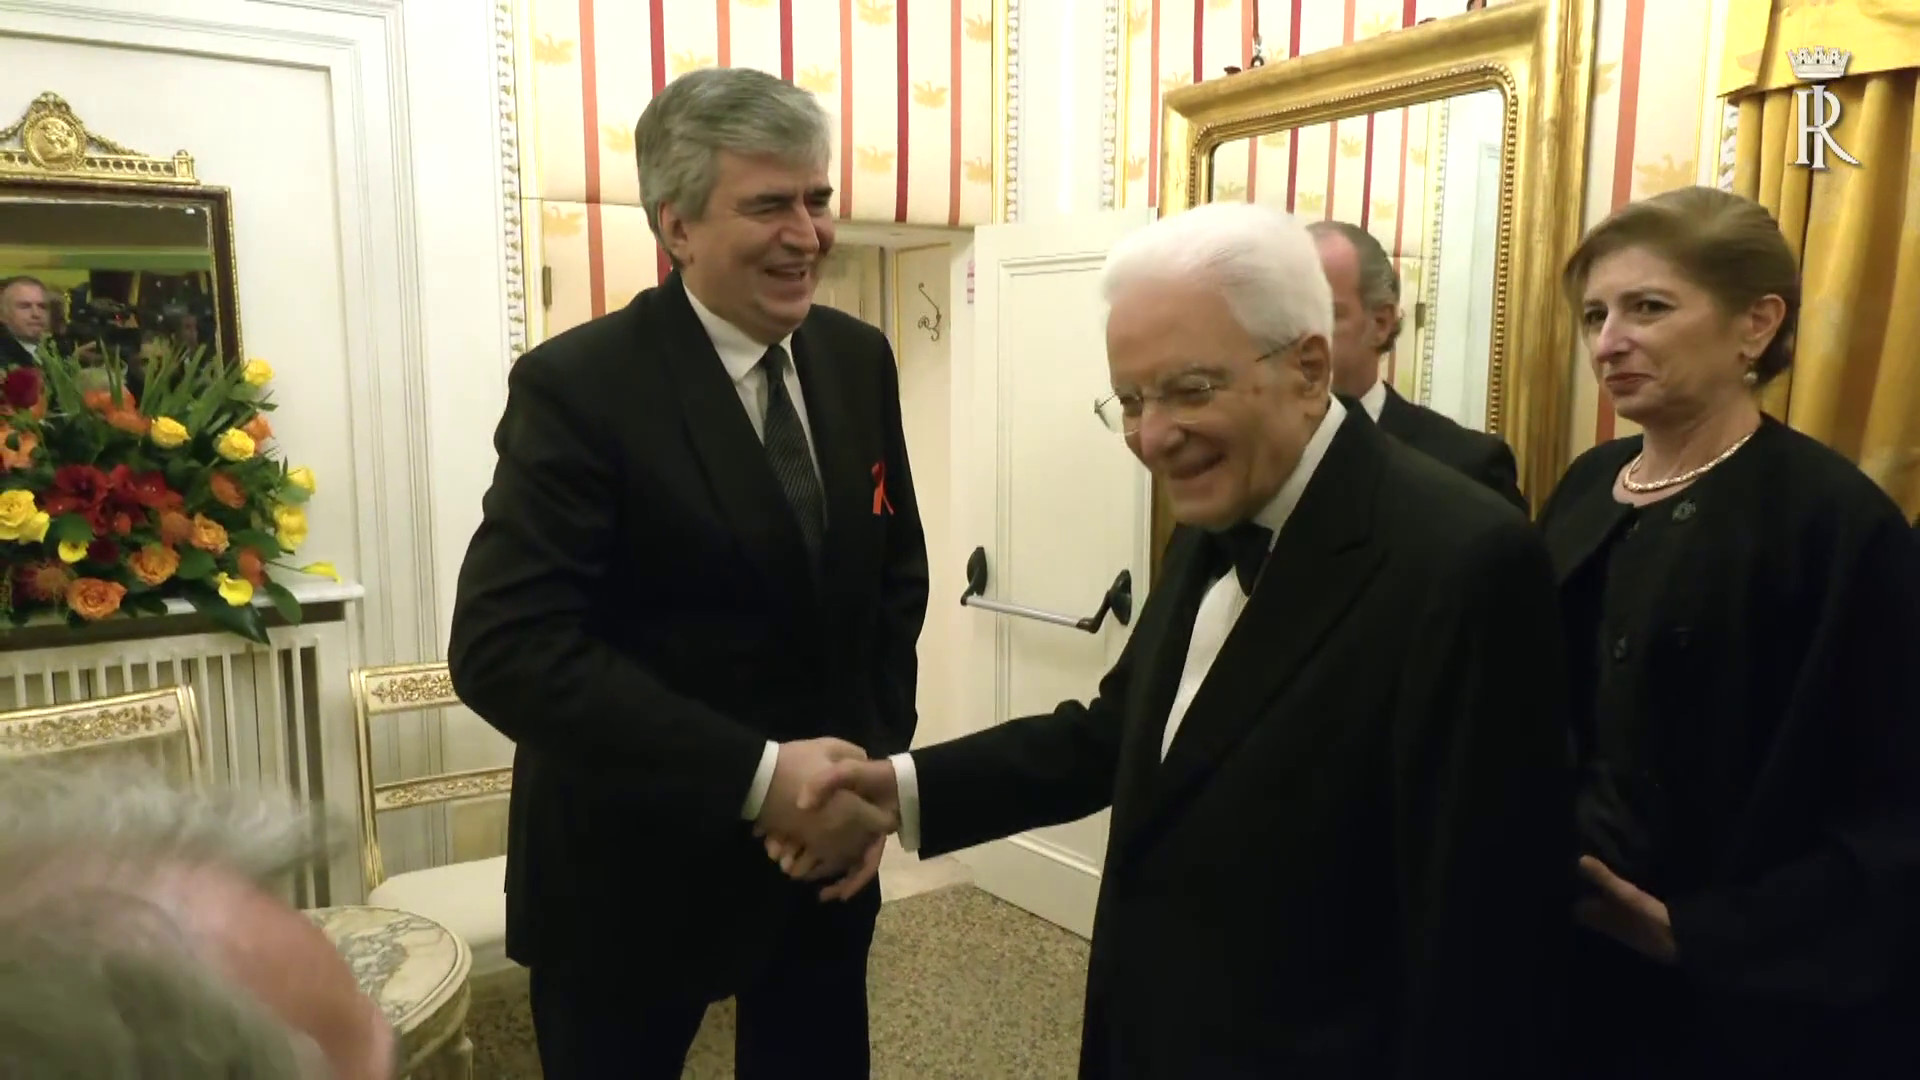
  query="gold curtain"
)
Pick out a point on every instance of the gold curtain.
point(1855, 382)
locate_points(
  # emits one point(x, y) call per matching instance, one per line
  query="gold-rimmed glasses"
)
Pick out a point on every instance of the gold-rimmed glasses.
point(1184, 398)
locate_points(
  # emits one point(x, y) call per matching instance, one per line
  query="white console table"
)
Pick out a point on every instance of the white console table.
point(277, 715)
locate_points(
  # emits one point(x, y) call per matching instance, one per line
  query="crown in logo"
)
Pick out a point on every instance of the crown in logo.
point(1819, 64)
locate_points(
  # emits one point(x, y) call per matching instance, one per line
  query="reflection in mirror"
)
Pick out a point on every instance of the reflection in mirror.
point(1425, 182)
point(127, 275)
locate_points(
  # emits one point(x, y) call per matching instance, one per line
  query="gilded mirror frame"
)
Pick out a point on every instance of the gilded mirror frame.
point(51, 155)
point(1539, 55)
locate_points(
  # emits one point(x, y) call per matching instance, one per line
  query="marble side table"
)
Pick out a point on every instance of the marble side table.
point(417, 971)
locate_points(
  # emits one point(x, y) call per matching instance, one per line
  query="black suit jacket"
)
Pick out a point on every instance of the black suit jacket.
point(1352, 862)
point(637, 614)
point(14, 354)
point(1779, 678)
point(1480, 456)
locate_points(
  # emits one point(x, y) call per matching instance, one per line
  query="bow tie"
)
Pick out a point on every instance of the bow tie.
point(1245, 548)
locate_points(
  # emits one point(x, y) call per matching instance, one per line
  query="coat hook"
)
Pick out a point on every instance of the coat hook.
point(931, 326)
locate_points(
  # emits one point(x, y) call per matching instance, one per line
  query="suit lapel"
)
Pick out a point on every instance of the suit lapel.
point(731, 456)
point(1322, 560)
point(1578, 530)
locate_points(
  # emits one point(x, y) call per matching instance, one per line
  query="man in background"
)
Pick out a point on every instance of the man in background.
point(700, 577)
point(1366, 322)
point(138, 937)
point(26, 315)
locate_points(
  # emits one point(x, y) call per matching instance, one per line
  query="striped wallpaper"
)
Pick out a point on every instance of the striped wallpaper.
point(1366, 170)
point(909, 83)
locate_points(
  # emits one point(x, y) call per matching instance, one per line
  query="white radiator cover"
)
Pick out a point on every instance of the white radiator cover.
point(276, 716)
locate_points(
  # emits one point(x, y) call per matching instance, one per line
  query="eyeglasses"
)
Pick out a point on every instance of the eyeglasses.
point(1184, 399)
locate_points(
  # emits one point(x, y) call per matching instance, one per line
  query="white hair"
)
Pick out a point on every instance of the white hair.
point(1264, 262)
point(96, 979)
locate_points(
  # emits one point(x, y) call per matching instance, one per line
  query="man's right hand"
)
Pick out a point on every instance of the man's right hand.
point(872, 783)
point(834, 829)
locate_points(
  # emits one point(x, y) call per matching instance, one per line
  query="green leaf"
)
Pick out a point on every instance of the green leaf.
point(293, 493)
point(243, 620)
point(195, 565)
point(145, 603)
point(264, 543)
point(284, 602)
point(69, 529)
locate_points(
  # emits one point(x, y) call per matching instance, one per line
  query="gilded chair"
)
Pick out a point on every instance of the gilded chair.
point(158, 727)
point(468, 898)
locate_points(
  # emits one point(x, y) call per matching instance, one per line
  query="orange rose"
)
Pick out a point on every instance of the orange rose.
point(252, 567)
point(128, 421)
point(227, 491)
point(154, 563)
point(94, 599)
point(175, 528)
point(208, 535)
point(19, 457)
point(103, 401)
point(258, 428)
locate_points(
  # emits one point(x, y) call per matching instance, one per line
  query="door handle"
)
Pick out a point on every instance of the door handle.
point(1118, 600)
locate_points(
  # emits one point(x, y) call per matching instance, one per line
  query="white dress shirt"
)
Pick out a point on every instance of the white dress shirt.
point(1374, 399)
point(741, 356)
point(1219, 610)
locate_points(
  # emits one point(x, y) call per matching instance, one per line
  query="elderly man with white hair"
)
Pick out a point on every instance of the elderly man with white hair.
point(1334, 745)
point(138, 938)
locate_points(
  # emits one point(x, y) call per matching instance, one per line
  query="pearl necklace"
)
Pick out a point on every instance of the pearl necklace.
point(1640, 488)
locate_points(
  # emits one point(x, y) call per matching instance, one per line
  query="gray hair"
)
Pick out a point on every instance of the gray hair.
point(1261, 259)
point(98, 980)
point(1378, 282)
point(682, 131)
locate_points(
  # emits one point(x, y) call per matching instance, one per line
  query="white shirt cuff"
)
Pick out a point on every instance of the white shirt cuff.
point(906, 783)
point(762, 782)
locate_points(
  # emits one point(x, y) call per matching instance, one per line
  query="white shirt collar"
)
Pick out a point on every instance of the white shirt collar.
point(1375, 399)
point(738, 351)
point(1274, 515)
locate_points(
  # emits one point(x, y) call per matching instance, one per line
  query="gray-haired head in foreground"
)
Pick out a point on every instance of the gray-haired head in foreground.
point(1379, 284)
point(1262, 260)
point(96, 978)
point(688, 123)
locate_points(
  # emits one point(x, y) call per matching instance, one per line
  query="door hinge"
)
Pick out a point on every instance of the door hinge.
point(546, 287)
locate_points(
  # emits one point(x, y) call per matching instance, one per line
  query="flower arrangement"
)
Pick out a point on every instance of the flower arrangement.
point(112, 505)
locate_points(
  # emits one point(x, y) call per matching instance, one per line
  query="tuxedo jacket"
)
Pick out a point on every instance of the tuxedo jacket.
point(637, 612)
point(1353, 860)
point(1481, 457)
point(14, 354)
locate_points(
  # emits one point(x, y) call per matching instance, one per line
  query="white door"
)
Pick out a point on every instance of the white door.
point(1059, 507)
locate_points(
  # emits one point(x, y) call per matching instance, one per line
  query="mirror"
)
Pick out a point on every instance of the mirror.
point(1460, 145)
point(133, 254)
point(1424, 182)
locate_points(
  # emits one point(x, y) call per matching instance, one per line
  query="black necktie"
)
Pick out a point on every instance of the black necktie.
point(1243, 547)
point(787, 452)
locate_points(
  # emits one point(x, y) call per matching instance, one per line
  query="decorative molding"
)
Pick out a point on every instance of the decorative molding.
point(505, 69)
point(54, 143)
point(429, 689)
point(1729, 145)
point(1009, 106)
point(90, 725)
point(1112, 175)
point(1430, 268)
point(475, 784)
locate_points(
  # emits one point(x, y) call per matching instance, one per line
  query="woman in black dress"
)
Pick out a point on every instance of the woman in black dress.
point(1742, 612)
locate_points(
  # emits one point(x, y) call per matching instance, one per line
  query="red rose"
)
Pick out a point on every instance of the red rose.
point(21, 387)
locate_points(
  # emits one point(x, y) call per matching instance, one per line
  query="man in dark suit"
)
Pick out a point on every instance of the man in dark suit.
point(1366, 321)
point(700, 576)
point(26, 313)
point(1334, 745)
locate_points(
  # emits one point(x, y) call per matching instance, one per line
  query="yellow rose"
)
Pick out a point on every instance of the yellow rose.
point(257, 373)
point(235, 591)
point(234, 445)
point(167, 432)
point(321, 569)
point(71, 552)
point(21, 518)
point(301, 478)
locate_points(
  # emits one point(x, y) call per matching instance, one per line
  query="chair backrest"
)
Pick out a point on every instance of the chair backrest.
point(161, 726)
point(409, 688)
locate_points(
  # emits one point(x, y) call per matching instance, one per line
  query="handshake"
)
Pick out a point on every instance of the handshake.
point(828, 813)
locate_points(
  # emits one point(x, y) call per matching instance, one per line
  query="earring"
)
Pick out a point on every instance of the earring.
point(1751, 378)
